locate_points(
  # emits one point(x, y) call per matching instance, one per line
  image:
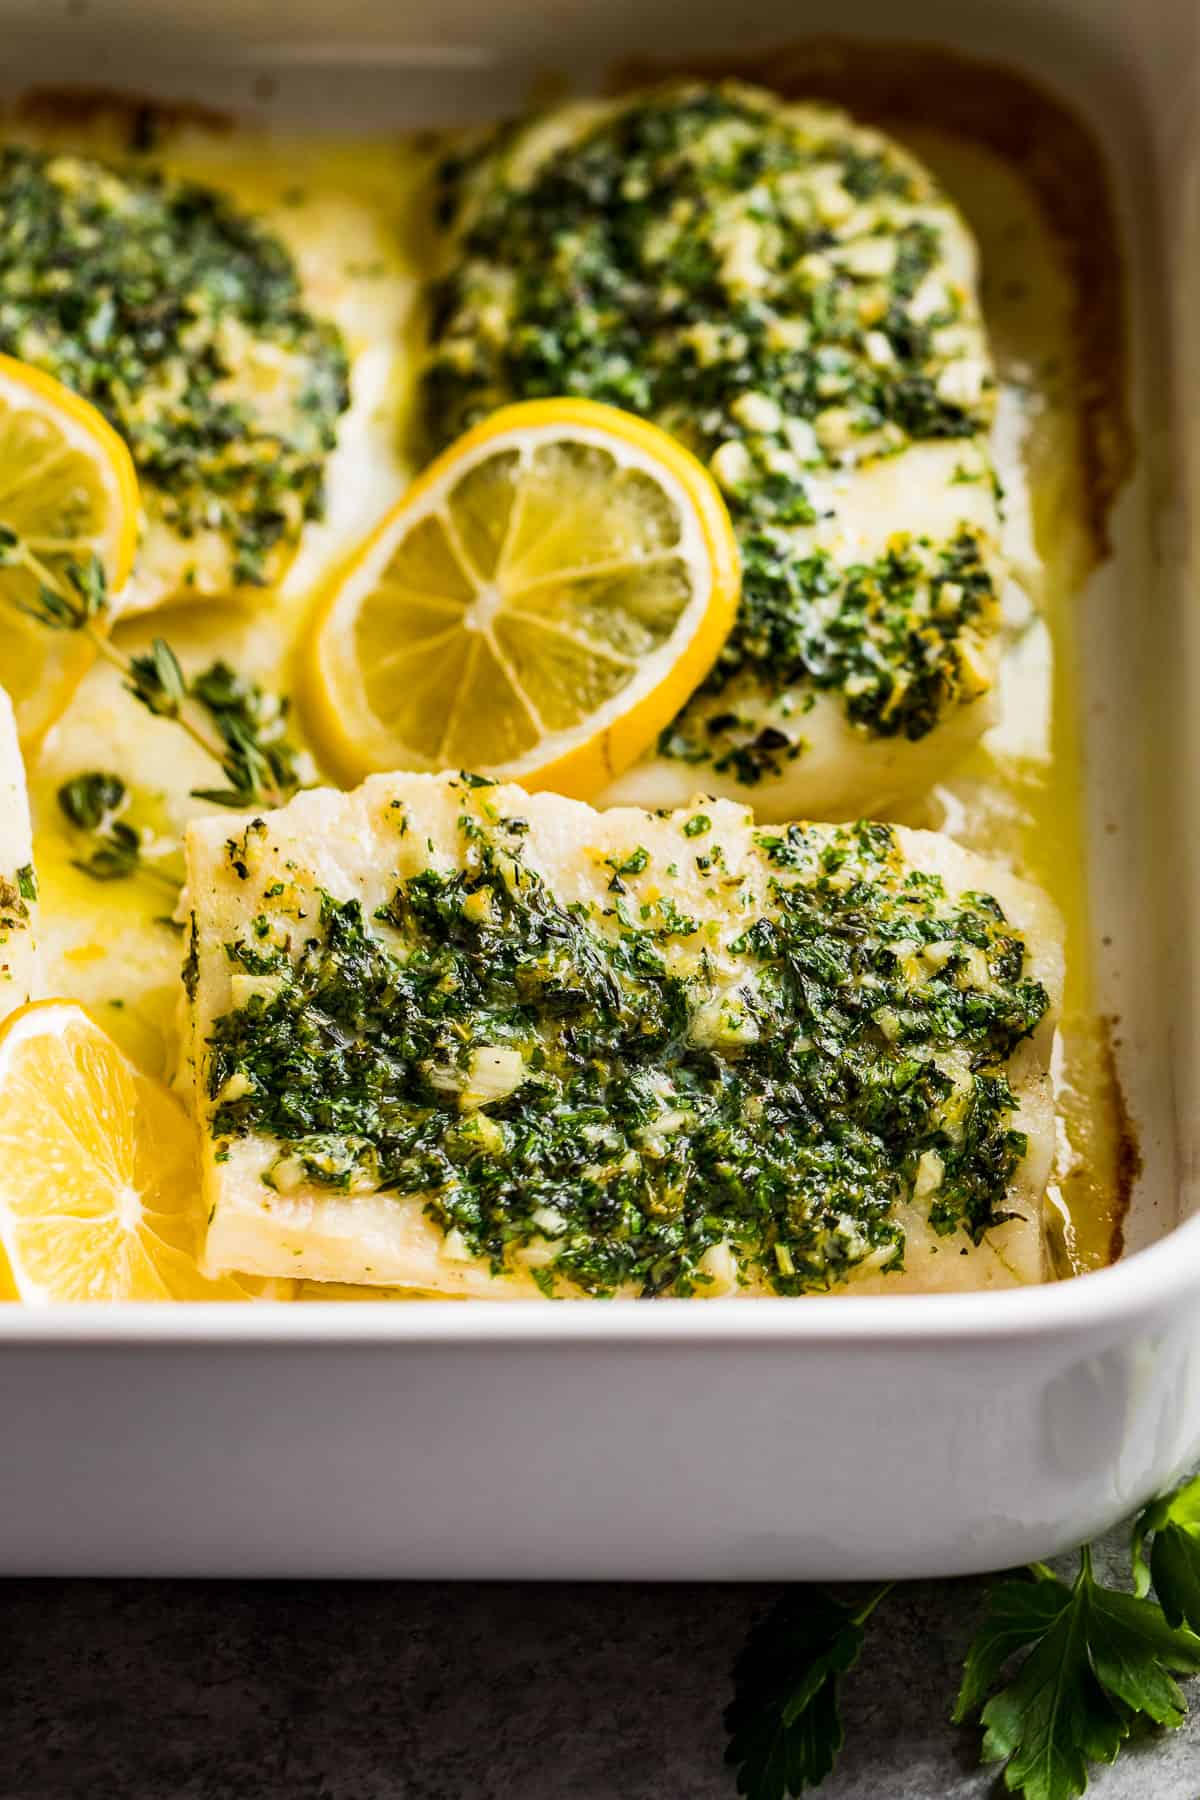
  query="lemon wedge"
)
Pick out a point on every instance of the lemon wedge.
point(68, 492)
point(99, 1177)
point(539, 605)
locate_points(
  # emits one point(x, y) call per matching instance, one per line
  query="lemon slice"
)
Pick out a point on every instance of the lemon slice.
point(538, 606)
point(99, 1177)
point(68, 492)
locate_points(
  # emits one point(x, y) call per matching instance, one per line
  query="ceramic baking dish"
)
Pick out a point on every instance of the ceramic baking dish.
point(847, 1437)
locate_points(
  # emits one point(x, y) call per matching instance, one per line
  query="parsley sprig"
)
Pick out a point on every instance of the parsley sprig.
point(1060, 1674)
point(784, 1721)
point(1173, 1566)
point(231, 719)
point(1098, 1661)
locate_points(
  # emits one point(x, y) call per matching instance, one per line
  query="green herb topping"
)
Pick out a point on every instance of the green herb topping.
point(181, 318)
point(587, 1086)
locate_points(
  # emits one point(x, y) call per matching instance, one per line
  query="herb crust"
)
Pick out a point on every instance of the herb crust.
point(181, 318)
point(635, 1088)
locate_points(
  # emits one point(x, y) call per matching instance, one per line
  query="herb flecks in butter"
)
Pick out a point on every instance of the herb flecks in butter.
point(772, 285)
point(564, 1085)
point(181, 318)
point(115, 849)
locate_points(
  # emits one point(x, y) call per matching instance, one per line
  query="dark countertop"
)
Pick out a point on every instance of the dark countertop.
point(120, 1690)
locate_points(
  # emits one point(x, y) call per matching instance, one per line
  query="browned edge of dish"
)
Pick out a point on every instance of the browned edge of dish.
point(1037, 134)
point(142, 119)
point(1129, 1162)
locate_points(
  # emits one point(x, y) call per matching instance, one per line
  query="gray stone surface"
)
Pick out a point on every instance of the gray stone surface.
point(301, 1691)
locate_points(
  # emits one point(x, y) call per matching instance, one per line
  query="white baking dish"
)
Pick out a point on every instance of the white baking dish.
point(848, 1437)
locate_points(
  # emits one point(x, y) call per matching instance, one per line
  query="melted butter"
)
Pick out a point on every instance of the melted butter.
point(347, 212)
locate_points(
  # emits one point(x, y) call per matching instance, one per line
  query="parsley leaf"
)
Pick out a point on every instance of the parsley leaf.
point(1174, 1563)
point(1019, 1613)
point(1098, 1659)
point(784, 1722)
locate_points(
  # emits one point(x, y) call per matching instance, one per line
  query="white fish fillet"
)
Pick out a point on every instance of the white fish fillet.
point(349, 847)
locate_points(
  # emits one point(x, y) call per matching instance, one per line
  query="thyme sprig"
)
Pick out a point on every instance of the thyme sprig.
point(259, 761)
point(231, 719)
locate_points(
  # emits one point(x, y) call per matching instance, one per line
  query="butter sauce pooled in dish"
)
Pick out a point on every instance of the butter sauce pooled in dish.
point(444, 1037)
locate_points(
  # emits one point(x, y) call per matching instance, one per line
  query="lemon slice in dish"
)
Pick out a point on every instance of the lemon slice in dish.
point(539, 605)
point(68, 493)
point(99, 1175)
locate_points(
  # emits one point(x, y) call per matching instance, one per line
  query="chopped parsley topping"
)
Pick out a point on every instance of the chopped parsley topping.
point(747, 275)
point(588, 1087)
point(181, 318)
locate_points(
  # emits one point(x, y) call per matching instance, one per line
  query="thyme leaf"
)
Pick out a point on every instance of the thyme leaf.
point(72, 606)
point(156, 680)
point(117, 855)
point(259, 763)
